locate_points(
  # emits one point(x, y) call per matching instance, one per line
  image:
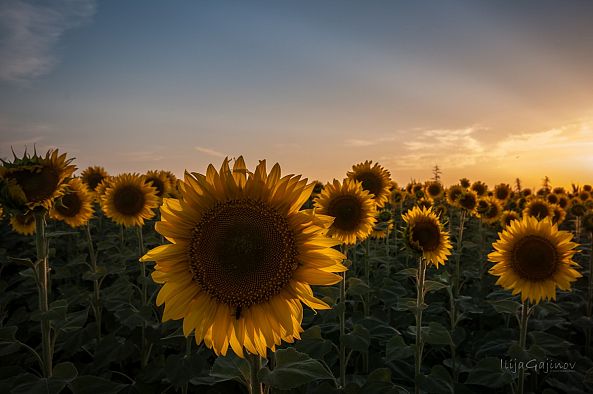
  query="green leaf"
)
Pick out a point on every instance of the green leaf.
point(230, 367)
point(357, 287)
point(293, 369)
point(8, 333)
point(488, 372)
point(436, 334)
point(359, 339)
point(505, 306)
point(66, 372)
point(431, 285)
point(397, 349)
point(88, 384)
point(408, 272)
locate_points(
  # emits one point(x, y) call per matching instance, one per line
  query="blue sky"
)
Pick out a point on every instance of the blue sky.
point(485, 89)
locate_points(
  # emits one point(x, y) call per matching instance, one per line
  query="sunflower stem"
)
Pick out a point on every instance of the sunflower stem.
point(459, 250)
point(523, 342)
point(255, 386)
point(144, 356)
point(96, 301)
point(342, 318)
point(188, 341)
point(420, 279)
point(589, 298)
point(43, 284)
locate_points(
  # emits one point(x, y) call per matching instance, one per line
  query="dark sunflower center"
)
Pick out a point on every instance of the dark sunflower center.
point(434, 190)
point(534, 258)
point(467, 201)
point(501, 193)
point(427, 235)
point(539, 210)
point(482, 206)
point(552, 198)
point(94, 179)
point(243, 252)
point(158, 185)
point(70, 205)
point(492, 211)
point(455, 194)
point(371, 182)
point(347, 211)
point(37, 184)
point(128, 200)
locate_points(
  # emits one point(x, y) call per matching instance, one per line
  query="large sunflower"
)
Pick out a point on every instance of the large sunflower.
point(93, 176)
point(75, 207)
point(242, 258)
point(23, 224)
point(128, 200)
point(538, 208)
point(533, 258)
point(34, 181)
point(352, 207)
point(424, 234)
point(375, 179)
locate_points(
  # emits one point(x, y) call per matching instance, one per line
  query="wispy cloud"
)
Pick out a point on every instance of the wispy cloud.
point(142, 156)
point(30, 33)
point(208, 151)
point(354, 142)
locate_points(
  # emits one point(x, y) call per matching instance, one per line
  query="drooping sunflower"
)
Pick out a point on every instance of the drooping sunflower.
point(75, 207)
point(507, 217)
point(533, 257)
point(353, 208)
point(492, 214)
point(23, 224)
point(424, 234)
point(538, 208)
point(576, 207)
point(434, 190)
point(92, 176)
point(128, 200)
point(453, 194)
point(559, 215)
point(34, 181)
point(502, 192)
point(160, 181)
point(375, 179)
point(384, 225)
point(242, 258)
point(468, 200)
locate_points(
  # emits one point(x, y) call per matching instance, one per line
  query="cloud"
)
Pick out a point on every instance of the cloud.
point(208, 151)
point(30, 32)
point(353, 142)
point(142, 156)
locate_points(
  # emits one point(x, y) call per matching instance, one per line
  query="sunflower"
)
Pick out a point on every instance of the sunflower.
point(468, 200)
point(424, 234)
point(588, 188)
point(584, 195)
point(128, 200)
point(396, 196)
point(453, 194)
point(559, 215)
point(23, 224)
point(242, 258)
point(552, 198)
point(93, 176)
point(434, 190)
point(482, 206)
point(352, 207)
point(558, 190)
point(34, 181)
point(465, 183)
point(102, 188)
point(75, 207)
point(492, 214)
point(502, 192)
point(507, 217)
point(160, 181)
point(533, 258)
point(384, 225)
point(375, 179)
point(526, 192)
point(538, 208)
point(577, 208)
point(480, 188)
point(563, 201)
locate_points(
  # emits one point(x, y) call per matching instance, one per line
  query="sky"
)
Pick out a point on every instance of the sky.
point(488, 90)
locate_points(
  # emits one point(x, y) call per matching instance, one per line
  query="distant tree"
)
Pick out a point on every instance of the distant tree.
point(518, 185)
point(436, 173)
point(547, 184)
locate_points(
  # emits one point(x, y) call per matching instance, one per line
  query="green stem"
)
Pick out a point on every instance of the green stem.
point(523, 341)
point(459, 250)
point(342, 318)
point(43, 283)
point(145, 355)
point(255, 386)
point(589, 298)
point(96, 288)
point(188, 341)
point(420, 278)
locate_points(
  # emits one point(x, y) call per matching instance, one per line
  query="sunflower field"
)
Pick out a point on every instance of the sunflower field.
point(248, 280)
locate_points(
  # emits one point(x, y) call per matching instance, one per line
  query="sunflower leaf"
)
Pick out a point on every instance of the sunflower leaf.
point(293, 369)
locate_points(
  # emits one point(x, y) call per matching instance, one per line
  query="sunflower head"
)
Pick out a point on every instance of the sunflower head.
point(31, 182)
point(242, 257)
point(374, 178)
point(558, 190)
point(396, 196)
point(424, 234)
point(352, 207)
point(160, 181)
point(383, 226)
point(502, 192)
point(534, 258)
point(526, 192)
point(75, 206)
point(507, 217)
point(577, 208)
point(584, 195)
point(482, 206)
point(563, 201)
point(453, 194)
point(552, 198)
point(128, 200)
point(492, 214)
point(468, 200)
point(538, 208)
point(434, 190)
point(588, 188)
point(23, 224)
point(465, 183)
point(92, 176)
point(480, 188)
point(559, 215)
